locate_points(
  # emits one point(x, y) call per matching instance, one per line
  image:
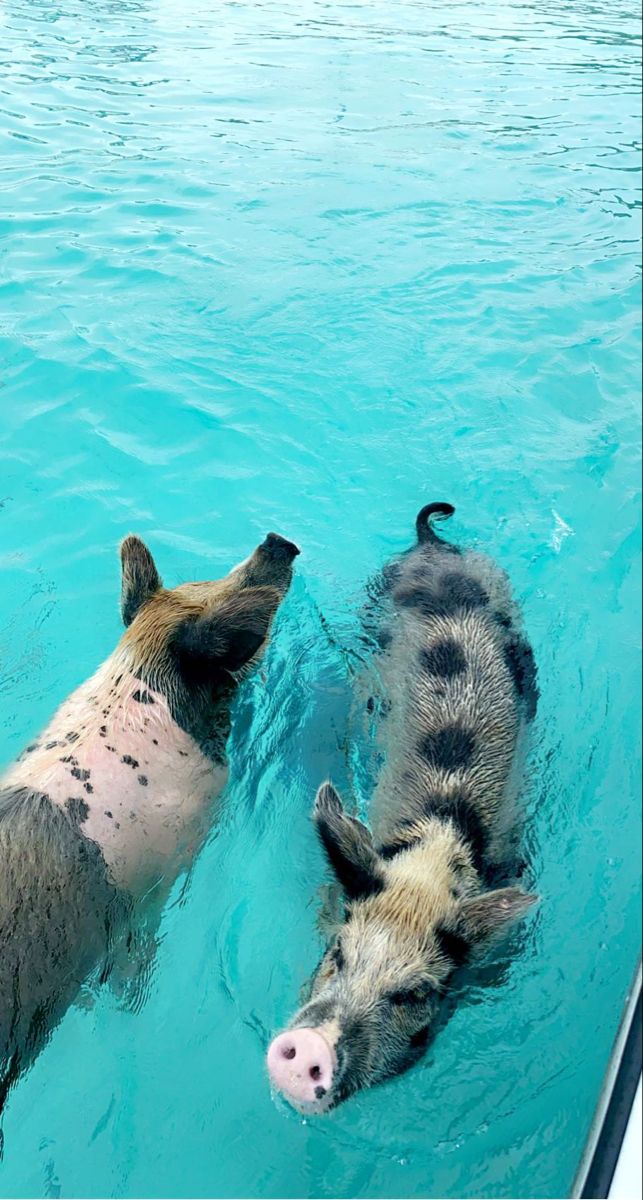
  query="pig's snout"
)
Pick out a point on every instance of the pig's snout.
point(279, 547)
point(301, 1065)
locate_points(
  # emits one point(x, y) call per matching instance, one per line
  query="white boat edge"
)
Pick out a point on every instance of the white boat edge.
point(610, 1168)
point(626, 1184)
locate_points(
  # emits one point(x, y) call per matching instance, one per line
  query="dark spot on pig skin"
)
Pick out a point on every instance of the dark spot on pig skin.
point(337, 956)
point(143, 697)
point(129, 761)
point(462, 812)
point(88, 788)
point(155, 741)
point(108, 814)
point(72, 737)
point(445, 658)
point(460, 591)
point(420, 1039)
point(391, 849)
point(103, 730)
point(422, 599)
point(453, 946)
point(454, 591)
point(112, 749)
point(142, 779)
point(77, 808)
point(451, 748)
point(69, 758)
point(51, 745)
point(79, 773)
point(320, 1092)
point(30, 749)
point(519, 658)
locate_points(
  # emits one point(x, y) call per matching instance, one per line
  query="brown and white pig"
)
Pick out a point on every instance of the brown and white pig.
point(112, 801)
point(460, 685)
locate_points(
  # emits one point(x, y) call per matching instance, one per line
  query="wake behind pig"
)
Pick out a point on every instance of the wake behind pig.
point(114, 799)
point(459, 684)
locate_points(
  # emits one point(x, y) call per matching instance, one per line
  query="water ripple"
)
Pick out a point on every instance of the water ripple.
point(305, 266)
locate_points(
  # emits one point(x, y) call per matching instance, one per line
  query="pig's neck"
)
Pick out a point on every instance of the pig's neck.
point(202, 712)
point(434, 857)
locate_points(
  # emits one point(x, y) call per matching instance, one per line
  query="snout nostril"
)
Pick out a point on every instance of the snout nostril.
point(302, 1065)
point(279, 547)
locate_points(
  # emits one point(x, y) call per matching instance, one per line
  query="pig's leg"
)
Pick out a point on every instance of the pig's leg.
point(131, 968)
point(132, 958)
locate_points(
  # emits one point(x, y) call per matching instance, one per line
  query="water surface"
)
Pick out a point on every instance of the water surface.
point(307, 266)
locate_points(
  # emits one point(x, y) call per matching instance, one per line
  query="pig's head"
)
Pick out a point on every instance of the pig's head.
point(410, 921)
point(194, 642)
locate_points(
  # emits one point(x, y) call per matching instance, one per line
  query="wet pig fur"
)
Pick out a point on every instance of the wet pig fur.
point(420, 885)
point(115, 797)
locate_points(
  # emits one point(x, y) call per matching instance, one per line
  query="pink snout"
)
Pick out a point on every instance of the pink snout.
point(301, 1065)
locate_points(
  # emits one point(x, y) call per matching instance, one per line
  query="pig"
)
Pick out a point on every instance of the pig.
point(420, 886)
point(105, 809)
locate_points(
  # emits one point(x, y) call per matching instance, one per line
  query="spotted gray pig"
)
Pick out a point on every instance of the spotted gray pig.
point(111, 802)
point(460, 684)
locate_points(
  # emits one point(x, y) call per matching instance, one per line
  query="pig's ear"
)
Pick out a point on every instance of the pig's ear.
point(139, 577)
point(226, 638)
point(348, 845)
point(486, 916)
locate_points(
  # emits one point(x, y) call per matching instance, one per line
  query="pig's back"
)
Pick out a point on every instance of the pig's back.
point(460, 680)
point(135, 783)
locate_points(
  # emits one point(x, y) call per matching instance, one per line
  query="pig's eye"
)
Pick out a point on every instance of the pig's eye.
point(410, 996)
point(337, 956)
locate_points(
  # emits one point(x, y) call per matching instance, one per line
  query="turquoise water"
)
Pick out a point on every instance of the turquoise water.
point(305, 267)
